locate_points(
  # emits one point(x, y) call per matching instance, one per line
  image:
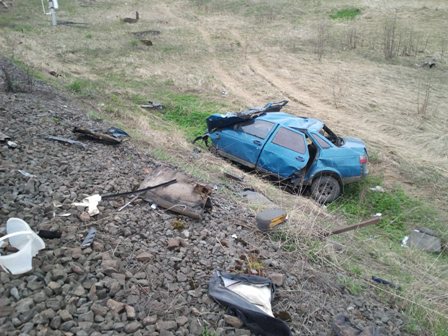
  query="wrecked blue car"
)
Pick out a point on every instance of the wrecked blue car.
point(298, 150)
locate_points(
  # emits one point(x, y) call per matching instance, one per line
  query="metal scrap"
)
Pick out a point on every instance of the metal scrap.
point(68, 141)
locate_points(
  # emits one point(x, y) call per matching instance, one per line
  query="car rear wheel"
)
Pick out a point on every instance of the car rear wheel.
point(325, 189)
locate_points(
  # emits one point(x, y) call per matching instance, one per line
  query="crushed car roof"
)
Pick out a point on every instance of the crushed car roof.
point(292, 121)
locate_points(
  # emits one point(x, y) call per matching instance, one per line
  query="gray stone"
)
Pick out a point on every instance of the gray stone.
point(40, 297)
point(277, 278)
point(58, 273)
point(130, 312)
point(132, 327)
point(14, 293)
point(99, 310)
point(181, 320)
point(173, 243)
point(144, 257)
point(65, 315)
point(233, 321)
point(24, 305)
point(195, 327)
point(424, 241)
point(166, 325)
point(56, 322)
point(87, 317)
point(115, 306)
point(54, 303)
point(148, 320)
point(79, 291)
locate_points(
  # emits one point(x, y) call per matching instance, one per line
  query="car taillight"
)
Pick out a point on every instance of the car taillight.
point(363, 159)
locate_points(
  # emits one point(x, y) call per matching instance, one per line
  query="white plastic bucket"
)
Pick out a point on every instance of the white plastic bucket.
point(26, 241)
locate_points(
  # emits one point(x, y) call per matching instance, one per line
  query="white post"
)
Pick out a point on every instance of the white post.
point(53, 7)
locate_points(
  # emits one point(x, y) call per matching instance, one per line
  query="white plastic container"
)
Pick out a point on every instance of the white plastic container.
point(20, 236)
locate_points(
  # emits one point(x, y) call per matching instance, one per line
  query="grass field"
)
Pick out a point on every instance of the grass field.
point(357, 65)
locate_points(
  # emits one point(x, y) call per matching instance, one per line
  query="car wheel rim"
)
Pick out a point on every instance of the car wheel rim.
point(326, 190)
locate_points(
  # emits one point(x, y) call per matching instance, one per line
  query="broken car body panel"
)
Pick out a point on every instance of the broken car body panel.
point(297, 149)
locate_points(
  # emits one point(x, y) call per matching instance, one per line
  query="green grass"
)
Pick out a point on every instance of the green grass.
point(353, 285)
point(189, 112)
point(348, 13)
point(400, 212)
point(82, 87)
point(206, 332)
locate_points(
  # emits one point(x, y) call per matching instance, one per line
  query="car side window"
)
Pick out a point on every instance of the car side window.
point(290, 140)
point(321, 141)
point(258, 128)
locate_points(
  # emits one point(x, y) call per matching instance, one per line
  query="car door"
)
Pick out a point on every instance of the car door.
point(244, 141)
point(285, 153)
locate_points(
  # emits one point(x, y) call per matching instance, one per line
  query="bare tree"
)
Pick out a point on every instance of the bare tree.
point(321, 40)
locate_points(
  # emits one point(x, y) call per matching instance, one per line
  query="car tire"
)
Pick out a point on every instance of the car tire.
point(325, 189)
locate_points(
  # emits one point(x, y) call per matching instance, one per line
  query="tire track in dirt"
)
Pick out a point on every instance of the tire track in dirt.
point(230, 83)
point(401, 147)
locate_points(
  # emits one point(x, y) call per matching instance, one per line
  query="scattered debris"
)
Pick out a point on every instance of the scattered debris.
point(50, 234)
point(270, 218)
point(28, 243)
point(88, 240)
point(12, 144)
point(374, 220)
point(153, 106)
point(377, 189)
point(250, 297)
point(385, 282)
point(185, 197)
point(234, 176)
point(146, 42)
point(54, 73)
point(429, 62)
point(92, 203)
point(117, 133)
point(254, 197)
point(141, 190)
point(97, 135)
point(132, 20)
point(65, 140)
point(25, 173)
point(423, 239)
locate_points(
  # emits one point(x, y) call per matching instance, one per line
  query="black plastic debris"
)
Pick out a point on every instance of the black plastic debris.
point(385, 282)
point(117, 133)
point(50, 234)
point(152, 106)
point(88, 240)
point(97, 135)
point(248, 297)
